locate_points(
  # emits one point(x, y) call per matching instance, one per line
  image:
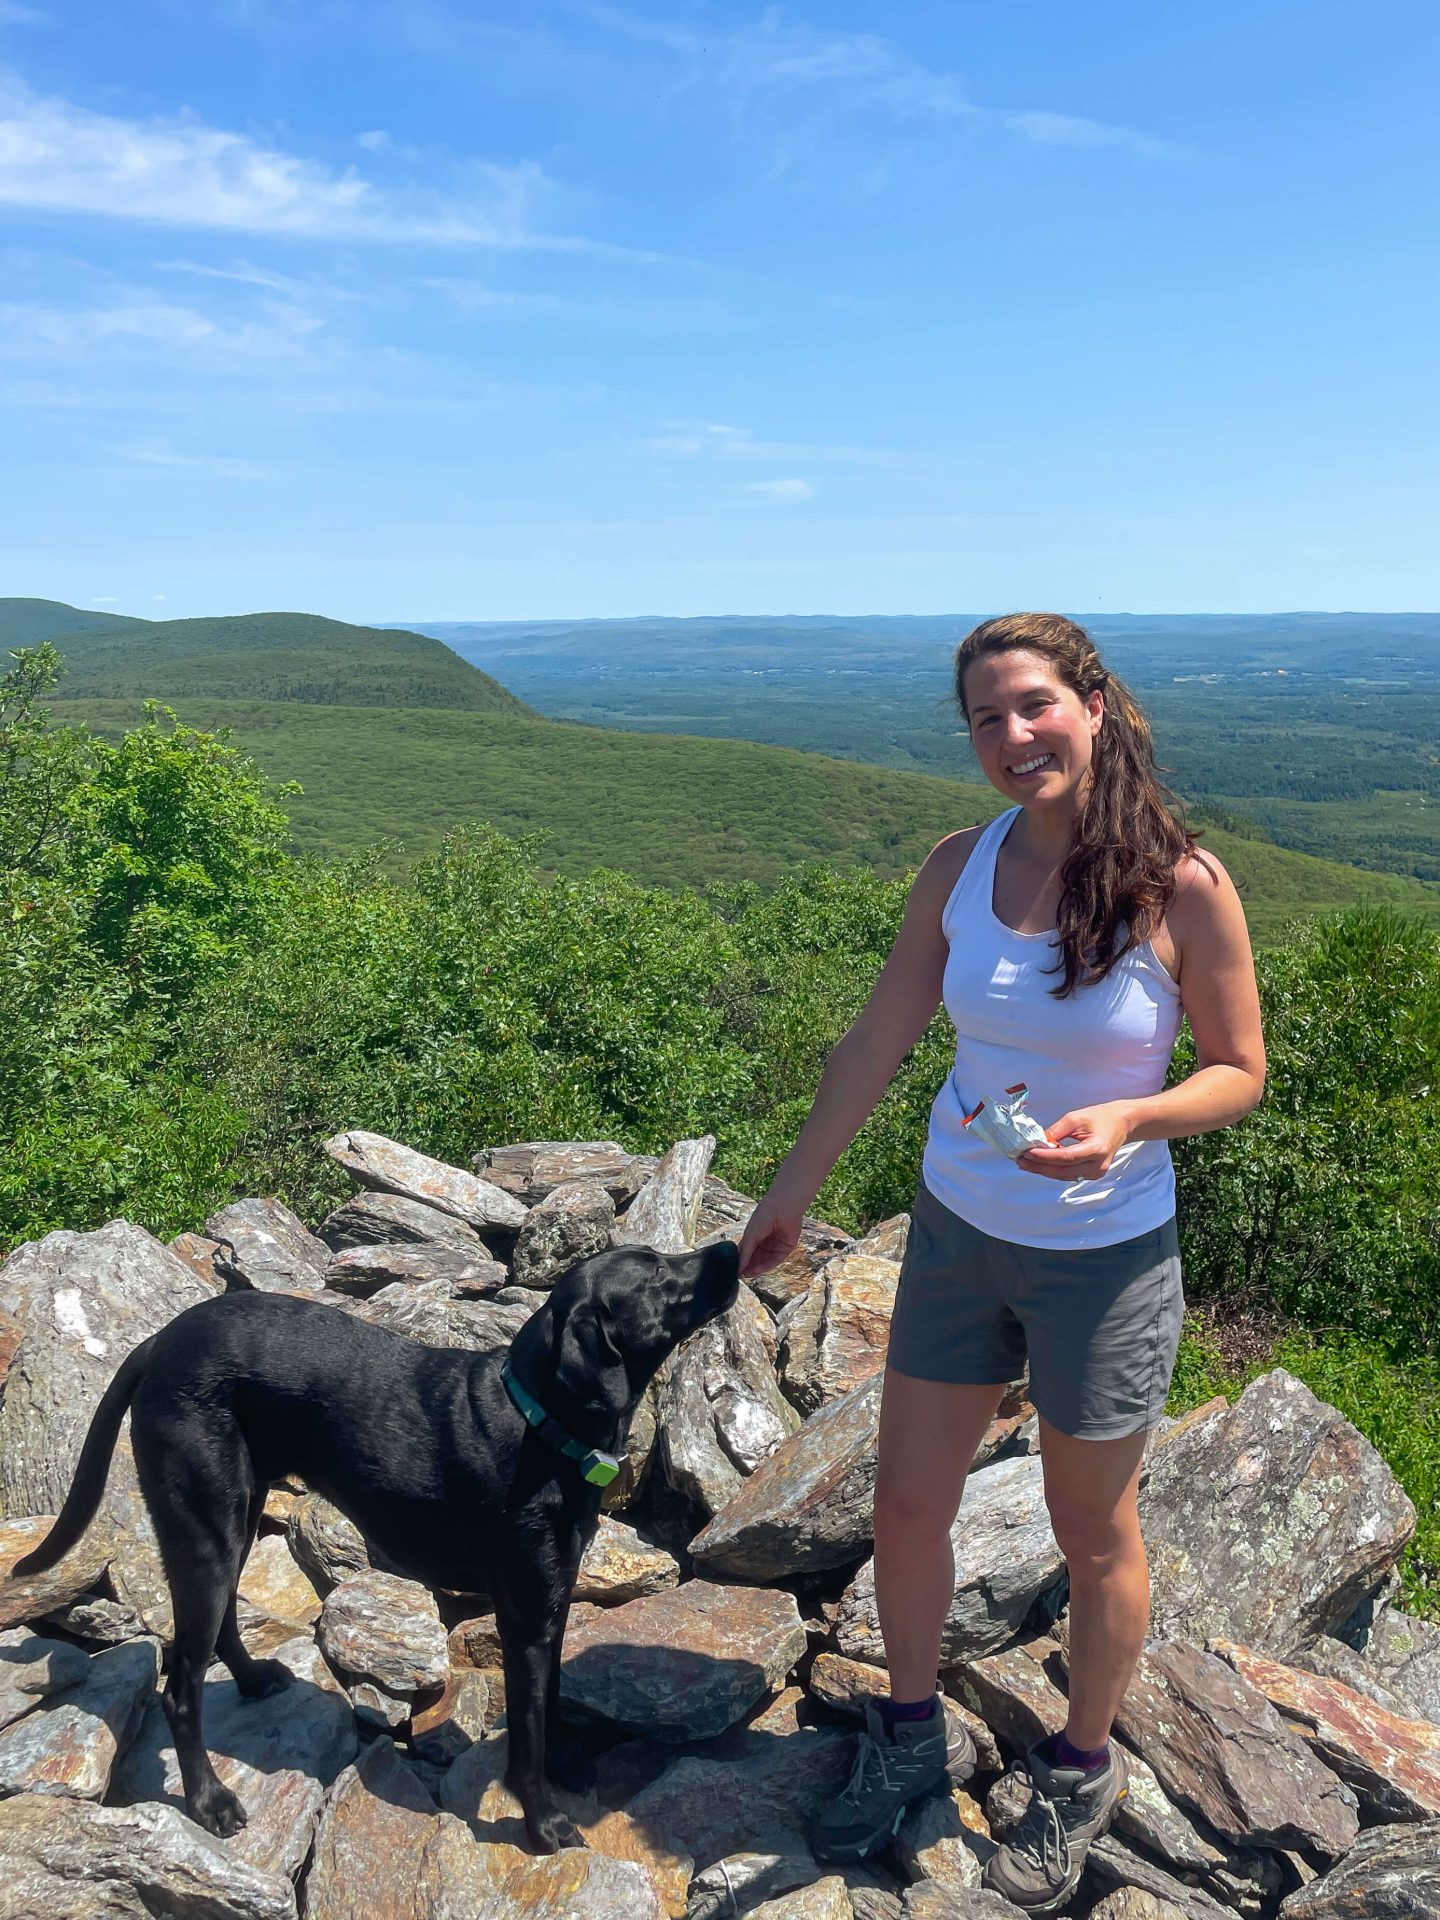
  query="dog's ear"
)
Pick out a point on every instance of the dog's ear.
point(589, 1366)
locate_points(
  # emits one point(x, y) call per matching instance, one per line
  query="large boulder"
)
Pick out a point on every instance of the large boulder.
point(365, 1270)
point(720, 1408)
point(388, 1167)
point(70, 1744)
point(278, 1755)
point(84, 1301)
point(665, 1213)
point(266, 1246)
point(684, 1664)
point(379, 1627)
point(573, 1221)
point(1006, 1558)
point(374, 1219)
point(836, 1335)
point(1391, 1873)
point(1267, 1523)
point(68, 1858)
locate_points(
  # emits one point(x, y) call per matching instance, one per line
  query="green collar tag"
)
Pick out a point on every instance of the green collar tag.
point(596, 1467)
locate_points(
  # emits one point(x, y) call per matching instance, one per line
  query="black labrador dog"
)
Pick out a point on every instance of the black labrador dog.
point(465, 1470)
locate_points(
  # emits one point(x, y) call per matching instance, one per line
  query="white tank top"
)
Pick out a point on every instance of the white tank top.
point(1109, 1041)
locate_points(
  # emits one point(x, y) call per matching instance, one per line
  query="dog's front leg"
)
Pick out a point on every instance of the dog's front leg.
point(530, 1659)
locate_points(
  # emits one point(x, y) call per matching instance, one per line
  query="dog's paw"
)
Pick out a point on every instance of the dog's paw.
point(262, 1679)
point(217, 1810)
point(551, 1832)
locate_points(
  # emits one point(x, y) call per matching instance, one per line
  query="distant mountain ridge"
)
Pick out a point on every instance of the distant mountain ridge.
point(394, 740)
point(301, 657)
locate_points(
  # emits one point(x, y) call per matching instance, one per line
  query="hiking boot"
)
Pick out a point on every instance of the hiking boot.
point(890, 1770)
point(1039, 1866)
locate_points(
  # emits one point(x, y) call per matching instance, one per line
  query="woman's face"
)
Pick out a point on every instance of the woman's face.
point(1032, 735)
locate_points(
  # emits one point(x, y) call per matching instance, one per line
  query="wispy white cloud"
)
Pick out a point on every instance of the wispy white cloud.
point(697, 439)
point(14, 13)
point(1071, 130)
point(56, 157)
point(783, 492)
point(149, 322)
point(158, 454)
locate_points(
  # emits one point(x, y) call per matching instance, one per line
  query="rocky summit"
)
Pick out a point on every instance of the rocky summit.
point(1282, 1731)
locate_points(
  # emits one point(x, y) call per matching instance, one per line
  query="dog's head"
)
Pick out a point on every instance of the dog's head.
point(611, 1320)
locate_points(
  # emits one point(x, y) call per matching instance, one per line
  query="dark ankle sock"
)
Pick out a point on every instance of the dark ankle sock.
point(1059, 1752)
point(892, 1711)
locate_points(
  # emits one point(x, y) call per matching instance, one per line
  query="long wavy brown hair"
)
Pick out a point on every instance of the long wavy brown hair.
point(1119, 876)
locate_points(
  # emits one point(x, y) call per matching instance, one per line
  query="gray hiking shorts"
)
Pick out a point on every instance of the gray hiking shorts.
point(1101, 1325)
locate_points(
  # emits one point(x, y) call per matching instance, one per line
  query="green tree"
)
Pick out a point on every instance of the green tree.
point(39, 763)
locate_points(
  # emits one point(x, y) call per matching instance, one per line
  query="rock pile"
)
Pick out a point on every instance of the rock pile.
point(1283, 1728)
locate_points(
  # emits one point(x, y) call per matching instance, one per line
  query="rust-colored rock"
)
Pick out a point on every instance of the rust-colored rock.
point(620, 1566)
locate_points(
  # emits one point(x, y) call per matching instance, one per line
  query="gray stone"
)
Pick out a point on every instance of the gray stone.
point(665, 1213)
point(721, 1411)
point(486, 1326)
point(416, 1312)
point(826, 1899)
point(1111, 1865)
point(277, 1755)
point(1391, 1873)
point(327, 1546)
point(84, 1300)
point(928, 1900)
point(376, 1822)
point(1221, 1750)
point(362, 1271)
point(266, 1246)
point(380, 1219)
point(573, 1221)
point(774, 1864)
point(379, 1627)
point(682, 1665)
point(32, 1667)
point(68, 1860)
point(1406, 1651)
point(388, 1166)
point(71, 1743)
point(810, 1504)
point(619, 1566)
point(711, 1808)
point(1333, 1660)
point(1267, 1523)
point(533, 1168)
point(1005, 1559)
point(835, 1336)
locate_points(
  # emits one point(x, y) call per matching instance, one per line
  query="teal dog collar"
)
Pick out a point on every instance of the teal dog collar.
point(598, 1468)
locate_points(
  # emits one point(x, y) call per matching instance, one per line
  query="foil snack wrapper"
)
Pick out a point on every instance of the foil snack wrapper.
point(1005, 1124)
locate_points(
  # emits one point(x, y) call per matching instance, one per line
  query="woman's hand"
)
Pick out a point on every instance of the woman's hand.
point(771, 1235)
point(1091, 1138)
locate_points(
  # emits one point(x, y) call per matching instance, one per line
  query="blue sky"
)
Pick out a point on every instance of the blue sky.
point(442, 310)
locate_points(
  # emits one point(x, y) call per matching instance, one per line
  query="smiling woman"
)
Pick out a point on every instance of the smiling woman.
point(1065, 940)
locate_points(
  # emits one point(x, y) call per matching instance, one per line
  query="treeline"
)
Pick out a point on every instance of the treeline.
point(187, 1012)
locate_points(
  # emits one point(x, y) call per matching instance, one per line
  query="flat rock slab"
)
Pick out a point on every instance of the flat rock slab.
point(1131, 1903)
point(32, 1667)
point(945, 1837)
point(1006, 1557)
point(711, 1808)
point(381, 1219)
point(278, 1755)
point(1267, 1523)
point(836, 1335)
point(382, 1628)
point(574, 1220)
point(620, 1566)
point(418, 1311)
point(682, 1665)
point(84, 1300)
point(720, 1408)
point(365, 1270)
point(1393, 1764)
point(71, 1743)
point(269, 1248)
point(376, 1821)
point(774, 1864)
point(1391, 1873)
point(827, 1899)
point(274, 1581)
point(386, 1165)
point(507, 1884)
point(532, 1168)
point(927, 1900)
point(67, 1858)
point(1112, 1865)
point(665, 1213)
point(1220, 1749)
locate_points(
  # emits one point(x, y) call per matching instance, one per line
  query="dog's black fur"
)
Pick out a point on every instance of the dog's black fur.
point(421, 1446)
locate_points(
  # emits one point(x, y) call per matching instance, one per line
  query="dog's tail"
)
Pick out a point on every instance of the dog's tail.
point(94, 1463)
